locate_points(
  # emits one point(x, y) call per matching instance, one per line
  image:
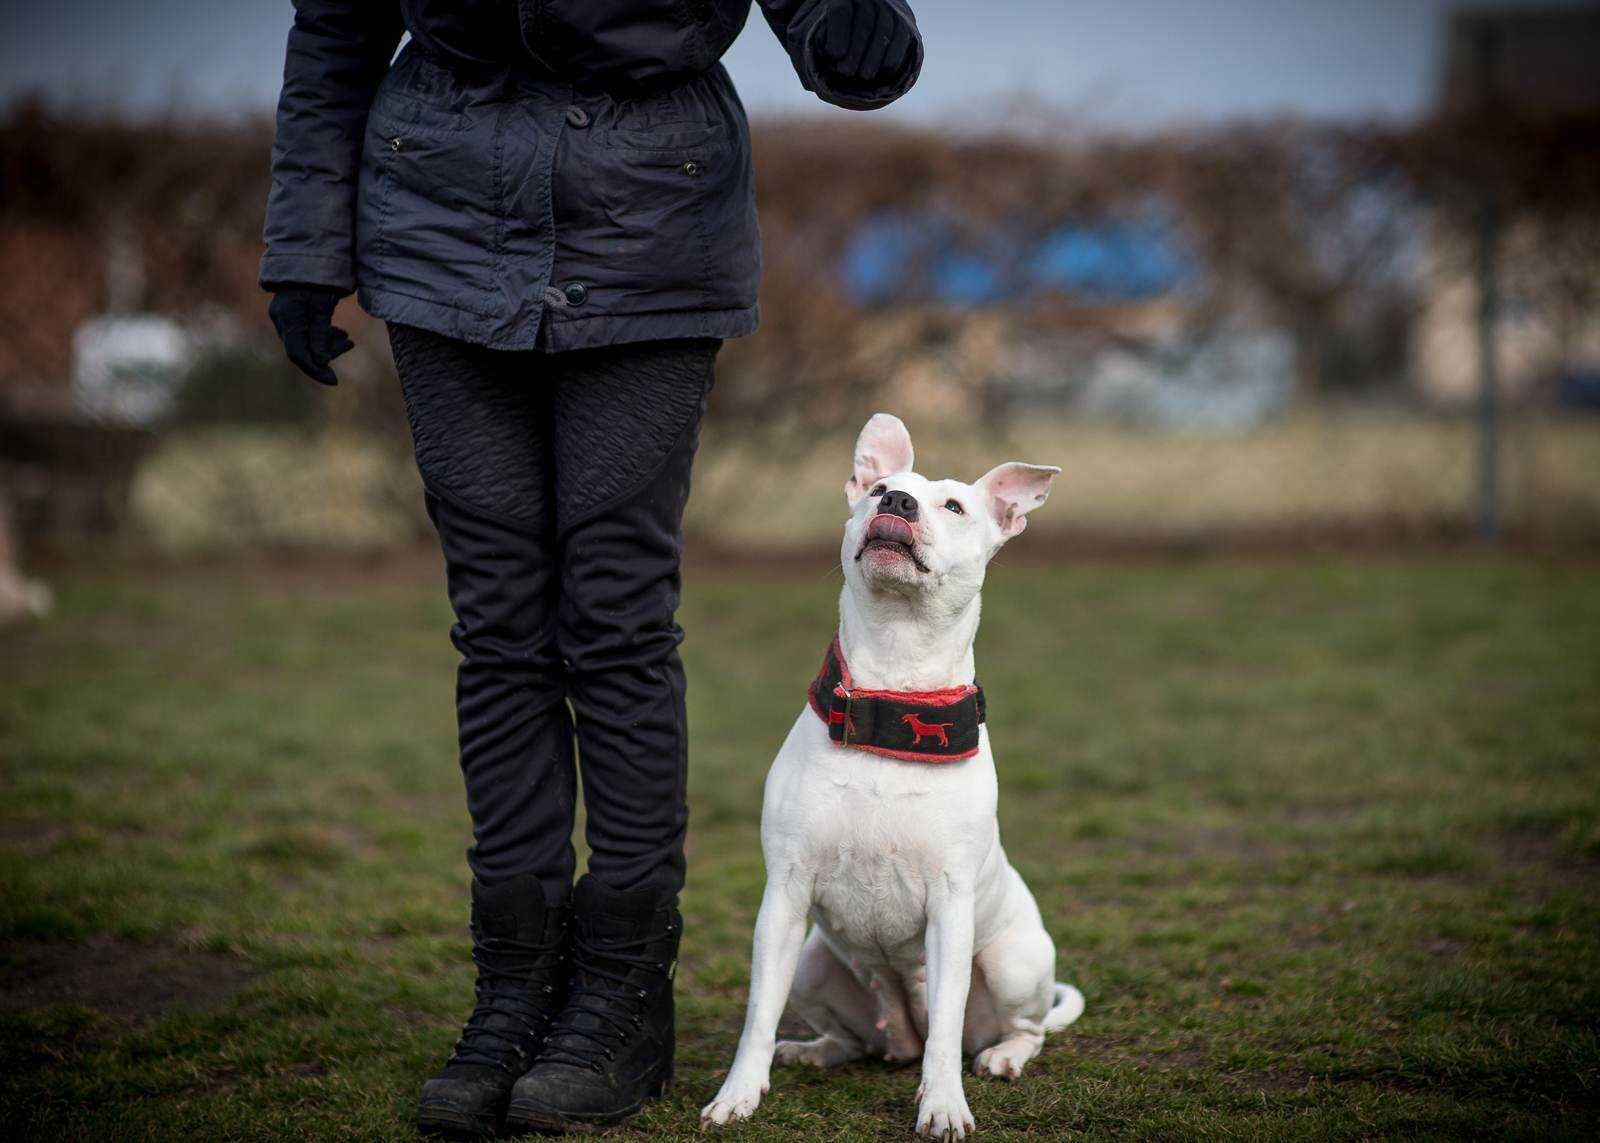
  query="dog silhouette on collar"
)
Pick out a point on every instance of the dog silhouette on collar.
point(923, 730)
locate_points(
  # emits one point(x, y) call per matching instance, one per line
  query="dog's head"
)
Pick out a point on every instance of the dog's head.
point(929, 539)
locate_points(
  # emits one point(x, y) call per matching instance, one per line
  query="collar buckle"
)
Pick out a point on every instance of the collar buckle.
point(841, 715)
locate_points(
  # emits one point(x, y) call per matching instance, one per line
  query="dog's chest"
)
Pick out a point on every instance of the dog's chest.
point(872, 883)
point(878, 837)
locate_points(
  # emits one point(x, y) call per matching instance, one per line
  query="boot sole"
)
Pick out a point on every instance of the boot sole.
point(522, 1117)
point(443, 1123)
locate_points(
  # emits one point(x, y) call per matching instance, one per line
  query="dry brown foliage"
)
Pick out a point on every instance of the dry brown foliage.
point(1301, 226)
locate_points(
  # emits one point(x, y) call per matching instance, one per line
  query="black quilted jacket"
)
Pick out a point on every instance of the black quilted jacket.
point(529, 173)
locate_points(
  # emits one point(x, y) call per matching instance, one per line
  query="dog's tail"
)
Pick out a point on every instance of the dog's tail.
point(1065, 1007)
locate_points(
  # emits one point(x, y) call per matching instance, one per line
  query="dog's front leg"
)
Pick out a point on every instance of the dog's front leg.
point(941, 1104)
point(780, 930)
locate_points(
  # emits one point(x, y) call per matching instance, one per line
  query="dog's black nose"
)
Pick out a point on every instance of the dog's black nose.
point(901, 504)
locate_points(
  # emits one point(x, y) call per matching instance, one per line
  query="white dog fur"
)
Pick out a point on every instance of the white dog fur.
point(924, 940)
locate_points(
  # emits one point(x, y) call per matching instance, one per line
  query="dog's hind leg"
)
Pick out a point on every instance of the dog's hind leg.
point(829, 997)
point(1015, 974)
point(898, 1015)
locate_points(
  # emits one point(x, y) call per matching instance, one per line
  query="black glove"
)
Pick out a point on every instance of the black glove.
point(862, 45)
point(303, 317)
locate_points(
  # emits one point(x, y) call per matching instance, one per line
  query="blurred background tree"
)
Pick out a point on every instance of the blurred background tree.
point(1223, 329)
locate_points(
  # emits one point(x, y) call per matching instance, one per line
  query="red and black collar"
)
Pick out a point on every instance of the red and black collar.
point(914, 726)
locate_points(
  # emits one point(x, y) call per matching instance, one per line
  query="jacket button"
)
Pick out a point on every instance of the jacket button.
point(395, 143)
point(576, 293)
point(577, 116)
point(690, 167)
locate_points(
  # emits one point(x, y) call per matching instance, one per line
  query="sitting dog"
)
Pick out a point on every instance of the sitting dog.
point(879, 814)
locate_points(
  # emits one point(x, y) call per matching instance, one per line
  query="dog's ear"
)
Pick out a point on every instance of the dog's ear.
point(1014, 489)
point(883, 447)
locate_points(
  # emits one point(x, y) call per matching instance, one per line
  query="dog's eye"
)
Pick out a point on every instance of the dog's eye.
point(880, 490)
point(954, 506)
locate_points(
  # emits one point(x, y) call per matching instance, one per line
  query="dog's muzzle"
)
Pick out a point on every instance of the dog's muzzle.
point(895, 533)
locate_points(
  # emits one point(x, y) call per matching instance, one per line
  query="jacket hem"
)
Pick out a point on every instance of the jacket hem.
point(447, 321)
point(566, 333)
point(558, 336)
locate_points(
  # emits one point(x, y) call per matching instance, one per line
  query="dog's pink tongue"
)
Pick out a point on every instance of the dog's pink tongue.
point(883, 526)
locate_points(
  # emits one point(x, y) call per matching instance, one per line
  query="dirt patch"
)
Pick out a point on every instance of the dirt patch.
point(1196, 844)
point(1522, 847)
point(1179, 842)
point(303, 846)
point(1329, 812)
point(31, 836)
point(1188, 1058)
point(37, 838)
point(1541, 853)
point(1130, 1050)
point(1268, 1082)
point(125, 980)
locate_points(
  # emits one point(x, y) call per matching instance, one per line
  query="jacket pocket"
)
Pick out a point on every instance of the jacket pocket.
point(427, 215)
point(672, 209)
point(669, 137)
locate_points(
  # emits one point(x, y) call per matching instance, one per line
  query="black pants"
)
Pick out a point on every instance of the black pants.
point(557, 484)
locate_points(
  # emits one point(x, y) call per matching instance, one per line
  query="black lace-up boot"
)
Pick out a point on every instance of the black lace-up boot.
point(610, 1049)
point(520, 945)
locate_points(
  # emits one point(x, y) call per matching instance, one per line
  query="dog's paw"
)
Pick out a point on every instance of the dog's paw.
point(1003, 1061)
point(943, 1114)
point(809, 1053)
point(823, 1052)
point(737, 1100)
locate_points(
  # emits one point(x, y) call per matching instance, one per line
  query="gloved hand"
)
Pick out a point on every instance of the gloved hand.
point(861, 45)
point(303, 317)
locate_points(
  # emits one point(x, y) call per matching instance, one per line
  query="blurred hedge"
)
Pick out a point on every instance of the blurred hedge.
point(1301, 226)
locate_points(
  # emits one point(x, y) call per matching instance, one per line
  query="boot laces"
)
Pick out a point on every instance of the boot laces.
point(505, 966)
point(615, 1002)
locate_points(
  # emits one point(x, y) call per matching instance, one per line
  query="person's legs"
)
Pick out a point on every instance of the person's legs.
point(480, 423)
point(627, 423)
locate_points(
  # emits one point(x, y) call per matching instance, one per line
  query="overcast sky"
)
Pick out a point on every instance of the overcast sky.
point(1121, 63)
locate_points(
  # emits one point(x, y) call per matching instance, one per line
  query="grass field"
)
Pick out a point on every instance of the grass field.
point(1320, 843)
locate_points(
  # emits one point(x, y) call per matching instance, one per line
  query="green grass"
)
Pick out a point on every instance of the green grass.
point(1320, 843)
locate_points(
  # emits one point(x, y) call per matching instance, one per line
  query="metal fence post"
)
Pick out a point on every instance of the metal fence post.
point(1488, 374)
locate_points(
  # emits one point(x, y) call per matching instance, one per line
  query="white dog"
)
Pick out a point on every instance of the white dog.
point(879, 815)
